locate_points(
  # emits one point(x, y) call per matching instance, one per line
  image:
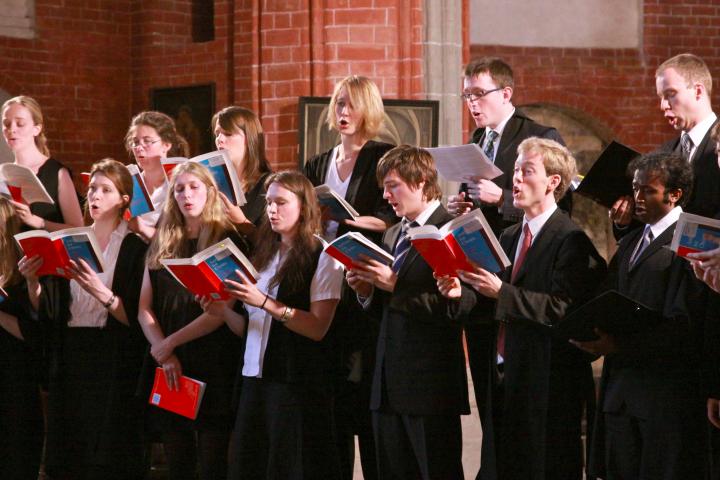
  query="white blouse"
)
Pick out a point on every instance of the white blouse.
point(86, 310)
point(326, 284)
point(332, 180)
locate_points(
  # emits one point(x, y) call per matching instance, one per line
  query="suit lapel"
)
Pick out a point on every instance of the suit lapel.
point(664, 239)
point(544, 237)
point(391, 237)
point(504, 159)
point(509, 241)
point(359, 172)
point(438, 217)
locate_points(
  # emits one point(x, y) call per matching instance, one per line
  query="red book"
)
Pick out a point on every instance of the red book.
point(185, 401)
point(204, 273)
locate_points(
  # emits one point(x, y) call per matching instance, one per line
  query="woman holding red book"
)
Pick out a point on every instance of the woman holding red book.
point(184, 339)
point(151, 137)
point(23, 132)
point(284, 423)
point(238, 130)
point(95, 348)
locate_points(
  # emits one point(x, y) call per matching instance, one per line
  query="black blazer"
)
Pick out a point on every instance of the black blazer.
point(705, 197)
point(656, 374)
point(561, 270)
point(363, 193)
point(420, 366)
point(517, 129)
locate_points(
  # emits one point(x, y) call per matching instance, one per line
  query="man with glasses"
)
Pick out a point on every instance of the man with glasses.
point(488, 88)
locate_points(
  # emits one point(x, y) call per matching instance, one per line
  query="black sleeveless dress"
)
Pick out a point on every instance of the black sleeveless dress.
point(48, 175)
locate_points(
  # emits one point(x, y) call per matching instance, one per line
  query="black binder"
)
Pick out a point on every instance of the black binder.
point(607, 179)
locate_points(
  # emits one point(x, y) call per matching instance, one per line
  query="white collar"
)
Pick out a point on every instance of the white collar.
point(698, 132)
point(425, 215)
point(501, 126)
point(664, 223)
point(537, 223)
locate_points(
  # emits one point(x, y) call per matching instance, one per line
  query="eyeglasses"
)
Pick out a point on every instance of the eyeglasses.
point(144, 142)
point(478, 94)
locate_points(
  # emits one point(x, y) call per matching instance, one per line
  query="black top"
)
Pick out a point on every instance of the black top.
point(48, 175)
point(254, 208)
point(212, 359)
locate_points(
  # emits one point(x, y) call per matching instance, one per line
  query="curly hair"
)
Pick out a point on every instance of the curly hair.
point(672, 170)
point(165, 128)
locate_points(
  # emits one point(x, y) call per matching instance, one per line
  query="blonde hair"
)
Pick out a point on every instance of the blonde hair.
point(366, 100)
point(170, 240)
point(238, 119)
point(36, 113)
point(691, 67)
point(414, 166)
point(557, 160)
point(10, 225)
point(119, 175)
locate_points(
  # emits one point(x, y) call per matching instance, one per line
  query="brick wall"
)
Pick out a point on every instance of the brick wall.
point(75, 66)
point(617, 86)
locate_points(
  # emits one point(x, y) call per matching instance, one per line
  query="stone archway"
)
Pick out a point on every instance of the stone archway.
point(5, 153)
point(586, 137)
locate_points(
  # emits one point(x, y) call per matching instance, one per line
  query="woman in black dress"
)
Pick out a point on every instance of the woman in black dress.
point(23, 132)
point(21, 420)
point(238, 130)
point(284, 423)
point(184, 339)
point(356, 113)
point(94, 424)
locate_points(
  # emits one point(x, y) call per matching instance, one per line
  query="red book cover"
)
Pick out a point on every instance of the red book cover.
point(185, 401)
point(53, 253)
point(200, 280)
point(440, 255)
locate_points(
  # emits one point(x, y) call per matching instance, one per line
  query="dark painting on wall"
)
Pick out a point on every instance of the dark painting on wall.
point(414, 122)
point(192, 108)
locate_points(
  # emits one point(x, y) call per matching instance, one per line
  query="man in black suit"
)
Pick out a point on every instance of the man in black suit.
point(684, 86)
point(419, 387)
point(652, 406)
point(488, 88)
point(538, 401)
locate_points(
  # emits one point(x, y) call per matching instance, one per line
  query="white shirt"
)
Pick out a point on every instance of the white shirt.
point(86, 310)
point(332, 180)
point(535, 225)
point(698, 132)
point(664, 223)
point(158, 197)
point(326, 284)
point(499, 130)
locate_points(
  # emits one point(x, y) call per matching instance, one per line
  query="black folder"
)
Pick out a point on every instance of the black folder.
point(607, 179)
point(613, 313)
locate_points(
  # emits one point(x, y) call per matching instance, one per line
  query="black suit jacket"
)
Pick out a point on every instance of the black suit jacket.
point(655, 375)
point(543, 373)
point(363, 193)
point(420, 365)
point(518, 128)
point(705, 197)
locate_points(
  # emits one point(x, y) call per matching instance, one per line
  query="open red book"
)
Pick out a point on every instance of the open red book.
point(58, 248)
point(204, 273)
point(185, 401)
point(460, 243)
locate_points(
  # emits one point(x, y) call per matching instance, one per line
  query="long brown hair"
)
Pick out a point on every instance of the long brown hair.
point(119, 175)
point(170, 240)
point(10, 225)
point(165, 128)
point(36, 113)
point(238, 119)
point(267, 242)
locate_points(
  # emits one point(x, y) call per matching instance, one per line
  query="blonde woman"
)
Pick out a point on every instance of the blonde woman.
point(23, 132)
point(95, 348)
point(356, 113)
point(238, 130)
point(184, 339)
point(21, 420)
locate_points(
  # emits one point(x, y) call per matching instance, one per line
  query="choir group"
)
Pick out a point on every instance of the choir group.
point(311, 355)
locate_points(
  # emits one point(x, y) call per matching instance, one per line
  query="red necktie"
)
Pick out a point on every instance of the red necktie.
point(527, 241)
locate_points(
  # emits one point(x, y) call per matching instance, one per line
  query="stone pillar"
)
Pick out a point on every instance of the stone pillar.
point(443, 71)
